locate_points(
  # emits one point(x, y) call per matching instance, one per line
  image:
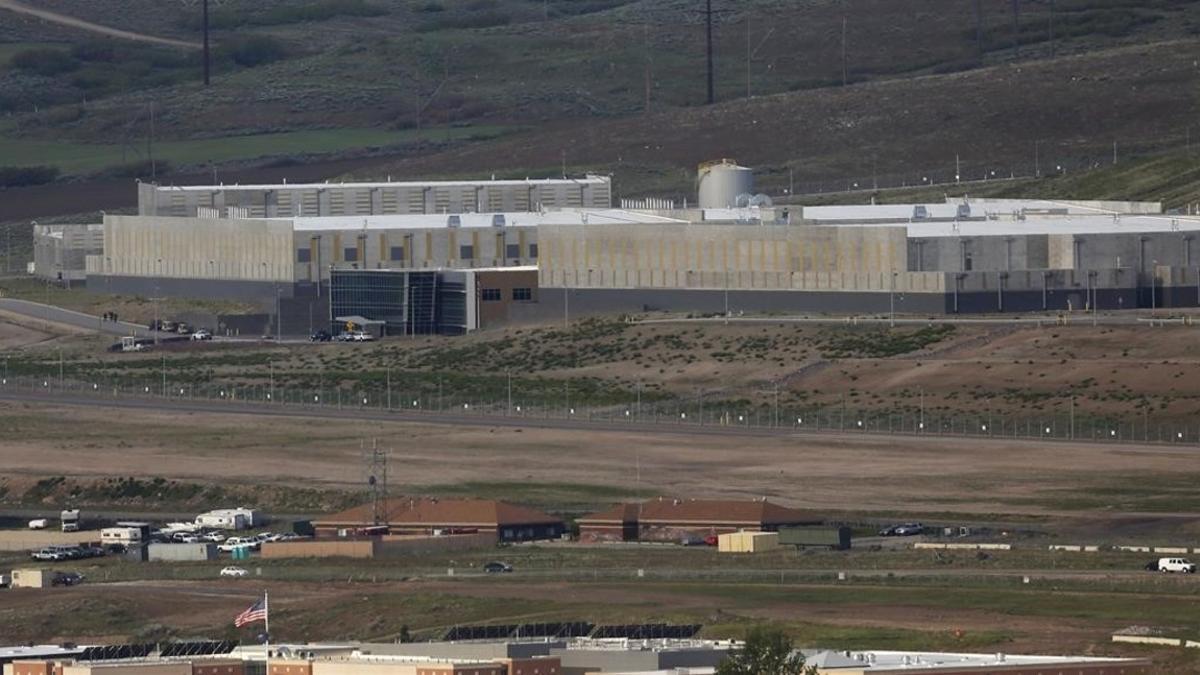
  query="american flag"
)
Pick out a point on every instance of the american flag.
point(256, 612)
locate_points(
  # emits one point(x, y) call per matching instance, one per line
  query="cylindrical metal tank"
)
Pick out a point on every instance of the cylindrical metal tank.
point(722, 181)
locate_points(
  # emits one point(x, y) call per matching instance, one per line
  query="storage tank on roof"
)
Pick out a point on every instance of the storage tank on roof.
point(721, 182)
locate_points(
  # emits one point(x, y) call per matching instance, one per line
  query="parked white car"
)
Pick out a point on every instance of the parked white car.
point(361, 336)
point(214, 537)
point(201, 335)
point(233, 543)
point(234, 572)
point(1181, 565)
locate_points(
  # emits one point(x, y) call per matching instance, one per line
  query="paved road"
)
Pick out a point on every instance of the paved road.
point(68, 317)
point(62, 19)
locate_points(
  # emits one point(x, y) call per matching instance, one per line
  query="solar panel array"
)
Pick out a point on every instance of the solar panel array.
point(648, 631)
point(113, 652)
point(165, 650)
point(574, 629)
point(200, 648)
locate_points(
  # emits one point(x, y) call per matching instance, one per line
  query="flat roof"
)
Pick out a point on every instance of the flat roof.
point(477, 220)
point(1047, 225)
point(37, 652)
point(590, 179)
point(918, 661)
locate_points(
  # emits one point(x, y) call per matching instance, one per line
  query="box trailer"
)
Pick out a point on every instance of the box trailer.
point(121, 535)
point(836, 538)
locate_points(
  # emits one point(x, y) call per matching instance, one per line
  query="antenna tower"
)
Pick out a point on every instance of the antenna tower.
point(375, 459)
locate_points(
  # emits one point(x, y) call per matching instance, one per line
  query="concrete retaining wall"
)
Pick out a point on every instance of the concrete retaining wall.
point(962, 547)
point(1147, 640)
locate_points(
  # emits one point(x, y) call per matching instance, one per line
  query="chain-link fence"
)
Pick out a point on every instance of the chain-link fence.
point(692, 414)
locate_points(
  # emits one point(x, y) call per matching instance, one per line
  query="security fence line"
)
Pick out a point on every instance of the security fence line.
point(682, 413)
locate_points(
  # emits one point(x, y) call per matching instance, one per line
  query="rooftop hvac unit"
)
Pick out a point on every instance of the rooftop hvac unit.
point(454, 221)
point(964, 211)
point(920, 212)
point(498, 220)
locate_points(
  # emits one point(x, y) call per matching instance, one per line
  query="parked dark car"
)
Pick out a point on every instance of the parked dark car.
point(496, 567)
point(68, 579)
point(320, 336)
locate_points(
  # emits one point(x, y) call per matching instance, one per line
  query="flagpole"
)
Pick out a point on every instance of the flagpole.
point(267, 626)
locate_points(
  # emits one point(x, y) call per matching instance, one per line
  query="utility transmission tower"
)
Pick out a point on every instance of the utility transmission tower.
point(375, 460)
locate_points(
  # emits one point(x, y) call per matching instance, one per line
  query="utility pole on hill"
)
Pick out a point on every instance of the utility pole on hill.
point(206, 66)
point(1016, 5)
point(979, 29)
point(708, 17)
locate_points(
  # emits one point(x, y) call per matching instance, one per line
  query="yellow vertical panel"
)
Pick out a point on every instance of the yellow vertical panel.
point(475, 244)
point(451, 245)
point(428, 247)
point(337, 247)
point(384, 253)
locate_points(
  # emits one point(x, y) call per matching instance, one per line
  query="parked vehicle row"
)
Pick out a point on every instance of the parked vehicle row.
point(59, 553)
point(346, 336)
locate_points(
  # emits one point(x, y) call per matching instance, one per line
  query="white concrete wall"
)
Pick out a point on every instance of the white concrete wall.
point(197, 248)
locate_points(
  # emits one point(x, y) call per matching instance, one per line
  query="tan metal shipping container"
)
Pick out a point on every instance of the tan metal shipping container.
point(747, 542)
point(33, 578)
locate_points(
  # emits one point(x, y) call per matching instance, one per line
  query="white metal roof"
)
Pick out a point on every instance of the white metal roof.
point(897, 212)
point(468, 220)
point(918, 661)
point(979, 208)
point(1048, 225)
point(589, 179)
point(36, 652)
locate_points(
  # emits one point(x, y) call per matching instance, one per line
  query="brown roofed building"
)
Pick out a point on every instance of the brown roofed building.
point(666, 519)
point(406, 515)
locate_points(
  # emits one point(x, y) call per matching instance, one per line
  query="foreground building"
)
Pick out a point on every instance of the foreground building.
point(549, 656)
point(667, 519)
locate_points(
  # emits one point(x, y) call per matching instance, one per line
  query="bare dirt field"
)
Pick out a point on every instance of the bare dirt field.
point(822, 472)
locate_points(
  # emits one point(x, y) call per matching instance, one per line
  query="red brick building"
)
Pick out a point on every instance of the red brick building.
point(666, 519)
point(409, 515)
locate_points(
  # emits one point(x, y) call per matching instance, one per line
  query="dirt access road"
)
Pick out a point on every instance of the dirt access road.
point(825, 473)
point(63, 19)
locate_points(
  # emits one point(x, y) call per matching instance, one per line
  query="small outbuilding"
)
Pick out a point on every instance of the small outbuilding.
point(688, 520)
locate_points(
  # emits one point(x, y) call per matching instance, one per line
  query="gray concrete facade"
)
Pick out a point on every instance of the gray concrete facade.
point(365, 199)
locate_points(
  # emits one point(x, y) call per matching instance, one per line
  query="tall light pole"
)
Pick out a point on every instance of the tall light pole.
point(1154, 286)
point(892, 301)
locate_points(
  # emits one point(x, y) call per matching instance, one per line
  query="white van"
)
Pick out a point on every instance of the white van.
point(1182, 565)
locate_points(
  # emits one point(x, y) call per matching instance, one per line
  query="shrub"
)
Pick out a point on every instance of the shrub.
point(45, 61)
point(19, 176)
point(256, 50)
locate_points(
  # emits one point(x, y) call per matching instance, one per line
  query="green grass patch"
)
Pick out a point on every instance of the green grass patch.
point(78, 158)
